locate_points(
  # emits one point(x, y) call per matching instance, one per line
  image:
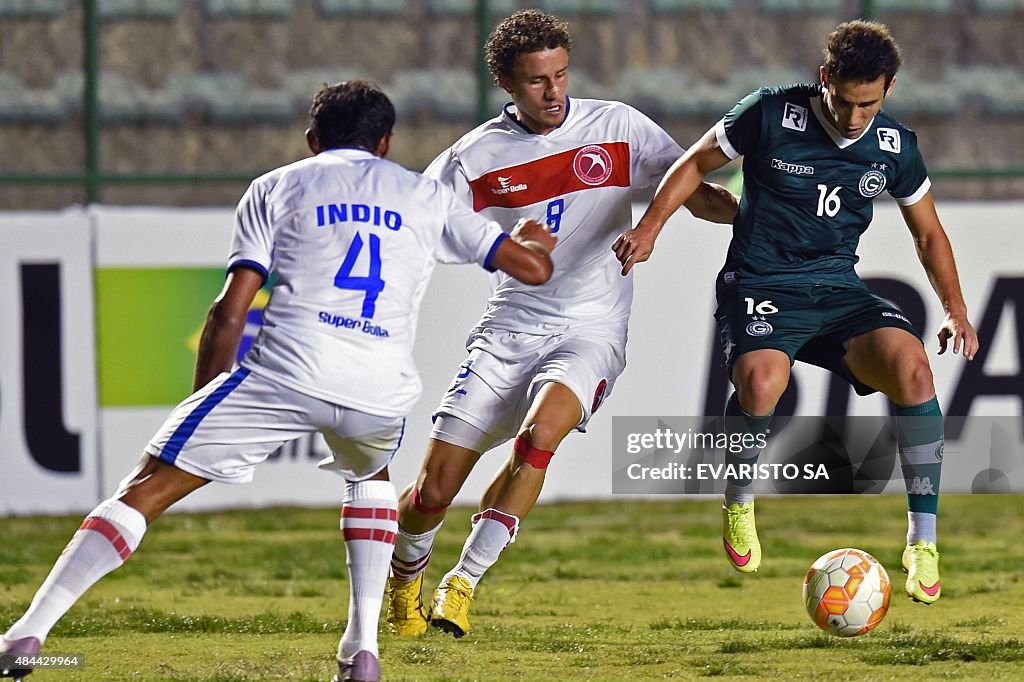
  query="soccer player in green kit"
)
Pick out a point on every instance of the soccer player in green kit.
point(815, 157)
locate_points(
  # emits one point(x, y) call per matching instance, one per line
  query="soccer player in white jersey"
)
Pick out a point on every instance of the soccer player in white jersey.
point(352, 240)
point(540, 361)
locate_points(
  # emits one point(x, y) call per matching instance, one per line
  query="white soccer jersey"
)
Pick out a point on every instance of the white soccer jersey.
point(352, 240)
point(578, 178)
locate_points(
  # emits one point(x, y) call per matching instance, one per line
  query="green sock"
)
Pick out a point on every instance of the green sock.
point(920, 438)
point(740, 490)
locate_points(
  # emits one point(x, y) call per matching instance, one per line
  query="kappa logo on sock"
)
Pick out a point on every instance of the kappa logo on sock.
point(921, 486)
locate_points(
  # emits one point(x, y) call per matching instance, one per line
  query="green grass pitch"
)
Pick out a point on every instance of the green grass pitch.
point(619, 590)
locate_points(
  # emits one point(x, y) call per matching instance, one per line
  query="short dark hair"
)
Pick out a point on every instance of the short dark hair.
point(524, 32)
point(353, 113)
point(862, 51)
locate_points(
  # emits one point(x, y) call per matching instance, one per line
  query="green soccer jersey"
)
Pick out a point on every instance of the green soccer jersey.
point(807, 191)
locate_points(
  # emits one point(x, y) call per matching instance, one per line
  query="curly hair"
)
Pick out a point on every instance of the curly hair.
point(524, 32)
point(862, 51)
point(354, 113)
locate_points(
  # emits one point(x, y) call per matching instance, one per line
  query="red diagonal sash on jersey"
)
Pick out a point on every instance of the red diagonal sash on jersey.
point(596, 165)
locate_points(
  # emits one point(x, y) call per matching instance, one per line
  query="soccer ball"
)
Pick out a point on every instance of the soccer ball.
point(846, 592)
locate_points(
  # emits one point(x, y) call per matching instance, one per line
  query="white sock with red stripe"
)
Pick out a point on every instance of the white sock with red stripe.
point(105, 540)
point(492, 532)
point(412, 553)
point(369, 524)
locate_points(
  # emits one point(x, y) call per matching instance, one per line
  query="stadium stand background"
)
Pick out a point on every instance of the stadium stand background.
point(201, 87)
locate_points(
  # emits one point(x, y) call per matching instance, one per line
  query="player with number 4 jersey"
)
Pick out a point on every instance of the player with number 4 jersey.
point(541, 360)
point(350, 240)
point(815, 157)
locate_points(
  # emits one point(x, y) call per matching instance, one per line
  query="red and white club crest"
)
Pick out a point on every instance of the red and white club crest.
point(592, 164)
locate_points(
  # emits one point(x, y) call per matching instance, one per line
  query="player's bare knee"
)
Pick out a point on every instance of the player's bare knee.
point(759, 391)
point(526, 450)
point(543, 435)
point(916, 383)
point(431, 498)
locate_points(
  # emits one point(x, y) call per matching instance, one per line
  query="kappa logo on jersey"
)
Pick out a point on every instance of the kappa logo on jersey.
point(794, 117)
point(592, 164)
point(871, 184)
point(794, 168)
point(889, 140)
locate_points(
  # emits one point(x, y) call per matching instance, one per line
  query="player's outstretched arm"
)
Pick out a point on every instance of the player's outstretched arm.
point(676, 188)
point(713, 203)
point(225, 323)
point(526, 255)
point(936, 255)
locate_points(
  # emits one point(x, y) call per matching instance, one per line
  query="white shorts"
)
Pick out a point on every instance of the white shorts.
point(223, 430)
point(505, 370)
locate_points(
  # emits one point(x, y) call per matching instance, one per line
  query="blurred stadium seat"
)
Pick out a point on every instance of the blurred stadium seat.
point(688, 5)
point(673, 93)
point(242, 8)
point(15, 8)
point(21, 103)
point(998, 90)
point(804, 6)
point(745, 80)
point(301, 85)
point(130, 9)
point(229, 97)
point(914, 97)
point(1000, 5)
point(935, 6)
point(466, 7)
point(449, 94)
point(124, 100)
point(583, 6)
point(371, 7)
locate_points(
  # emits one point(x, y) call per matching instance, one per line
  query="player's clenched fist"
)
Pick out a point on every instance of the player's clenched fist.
point(531, 231)
point(632, 247)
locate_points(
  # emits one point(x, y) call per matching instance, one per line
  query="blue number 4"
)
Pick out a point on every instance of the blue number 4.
point(372, 284)
point(554, 217)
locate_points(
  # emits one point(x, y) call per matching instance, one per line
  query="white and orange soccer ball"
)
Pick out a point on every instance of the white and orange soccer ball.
point(846, 592)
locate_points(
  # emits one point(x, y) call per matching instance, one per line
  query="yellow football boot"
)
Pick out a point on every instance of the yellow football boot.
point(739, 535)
point(921, 562)
point(406, 615)
point(450, 608)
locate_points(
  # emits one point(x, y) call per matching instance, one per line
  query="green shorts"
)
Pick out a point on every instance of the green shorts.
point(809, 323)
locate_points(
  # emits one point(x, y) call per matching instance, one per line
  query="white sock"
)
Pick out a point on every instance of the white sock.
point(412, 553)
point(920, 526)
point(492, 532)
point(369, 523)
point(105, 540)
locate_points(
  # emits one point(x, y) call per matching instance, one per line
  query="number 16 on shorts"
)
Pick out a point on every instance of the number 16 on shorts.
point(760, 307)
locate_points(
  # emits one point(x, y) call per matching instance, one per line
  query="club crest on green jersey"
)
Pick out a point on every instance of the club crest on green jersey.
point(871, 184)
